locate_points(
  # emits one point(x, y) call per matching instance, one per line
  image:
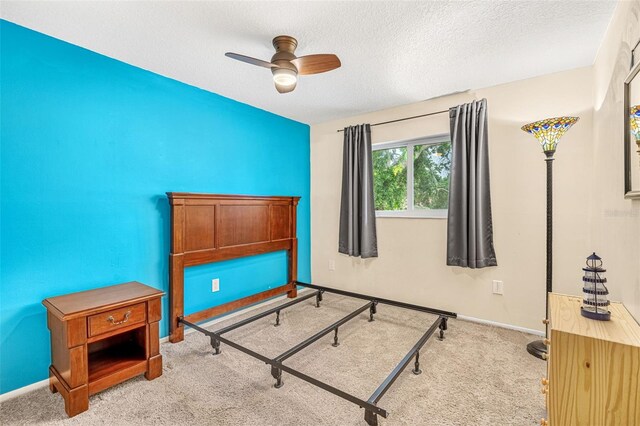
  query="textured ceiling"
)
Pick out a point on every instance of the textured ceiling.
point(392, 53)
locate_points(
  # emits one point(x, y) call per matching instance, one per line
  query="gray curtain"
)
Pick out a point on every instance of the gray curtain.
point(470, 228)
point(357, 210)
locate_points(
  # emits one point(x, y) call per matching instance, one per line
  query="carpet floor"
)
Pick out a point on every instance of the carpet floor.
point(478, 375)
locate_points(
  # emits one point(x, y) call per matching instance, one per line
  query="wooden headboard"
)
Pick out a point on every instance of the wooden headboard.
point(208, 228)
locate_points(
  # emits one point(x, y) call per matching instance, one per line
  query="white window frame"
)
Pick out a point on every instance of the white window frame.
point(412, 212)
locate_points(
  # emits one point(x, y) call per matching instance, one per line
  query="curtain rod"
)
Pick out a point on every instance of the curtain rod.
point(406, 118)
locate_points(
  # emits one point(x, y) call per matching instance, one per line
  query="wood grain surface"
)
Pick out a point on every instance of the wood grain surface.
point(594, 366)
point(89, 302)
point(565, 316)
point(208, 228)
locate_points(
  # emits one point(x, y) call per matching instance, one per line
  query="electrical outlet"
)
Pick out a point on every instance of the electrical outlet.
point(215, 285)
point(498, 287)
point(332, 265)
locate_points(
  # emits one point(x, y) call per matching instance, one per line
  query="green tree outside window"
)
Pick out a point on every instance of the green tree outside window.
point(431, 166)
point(390, 178)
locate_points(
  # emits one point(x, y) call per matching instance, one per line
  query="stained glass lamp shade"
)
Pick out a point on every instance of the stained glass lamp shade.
point(549, 131)
point(634, 123)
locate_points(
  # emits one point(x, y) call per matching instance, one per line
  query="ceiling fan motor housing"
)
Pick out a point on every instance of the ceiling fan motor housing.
point(285, 43)
point(285, 46)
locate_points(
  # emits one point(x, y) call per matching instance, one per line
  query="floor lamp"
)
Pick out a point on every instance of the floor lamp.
point(548, 132)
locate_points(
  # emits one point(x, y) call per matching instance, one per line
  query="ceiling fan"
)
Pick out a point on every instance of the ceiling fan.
point(286, 67)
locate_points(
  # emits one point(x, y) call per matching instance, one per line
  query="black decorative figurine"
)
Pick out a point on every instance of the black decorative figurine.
point(595, 301)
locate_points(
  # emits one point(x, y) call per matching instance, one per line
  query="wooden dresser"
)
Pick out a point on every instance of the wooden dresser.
point(593, 366)
point(100, 338)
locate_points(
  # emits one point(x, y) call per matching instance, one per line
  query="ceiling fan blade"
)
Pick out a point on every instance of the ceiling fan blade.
point(315, 64)
point(250, 60)
point(285, 89)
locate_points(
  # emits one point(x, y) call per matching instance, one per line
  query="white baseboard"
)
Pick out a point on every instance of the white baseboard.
point(42, 383)
point(21, 391)
point(501, 325)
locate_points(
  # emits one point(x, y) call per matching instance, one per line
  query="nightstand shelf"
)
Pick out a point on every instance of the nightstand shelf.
point(112, 360)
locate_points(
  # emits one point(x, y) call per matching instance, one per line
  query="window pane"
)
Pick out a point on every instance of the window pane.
point(390, 178)
point(431, 164)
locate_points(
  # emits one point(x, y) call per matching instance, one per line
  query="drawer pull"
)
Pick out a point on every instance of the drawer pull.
point(544, 381)
point(114, 322)
point(545, 321)
point(544, 422)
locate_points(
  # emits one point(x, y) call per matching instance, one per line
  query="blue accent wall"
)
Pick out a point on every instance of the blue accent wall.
point(89, 147)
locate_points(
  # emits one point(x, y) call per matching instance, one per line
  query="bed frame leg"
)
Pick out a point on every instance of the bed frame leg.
point(215, 344)
point(371, 418)
point(416, 368)
point(276, 373)
point(319, 298)
point(372, 310)
point(443, 327)
point(277, 319)
point(335, 343)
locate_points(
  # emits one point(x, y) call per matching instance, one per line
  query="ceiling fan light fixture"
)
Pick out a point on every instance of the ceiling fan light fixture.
point(285, 77)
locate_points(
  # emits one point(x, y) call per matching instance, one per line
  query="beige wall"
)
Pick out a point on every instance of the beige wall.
point(411, 266)
point(590, 213)
point(615, 222)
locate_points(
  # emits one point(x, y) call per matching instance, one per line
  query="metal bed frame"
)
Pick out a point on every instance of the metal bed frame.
point(277, 364)
point(208, 228)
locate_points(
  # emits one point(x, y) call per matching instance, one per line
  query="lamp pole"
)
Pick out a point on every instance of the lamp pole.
point(538, 348)
point(549, 161)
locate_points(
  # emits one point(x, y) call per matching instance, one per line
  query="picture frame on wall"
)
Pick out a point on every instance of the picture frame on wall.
point(631, 113)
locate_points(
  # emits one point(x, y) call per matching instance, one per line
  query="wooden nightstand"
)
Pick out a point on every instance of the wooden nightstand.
point(100, 338)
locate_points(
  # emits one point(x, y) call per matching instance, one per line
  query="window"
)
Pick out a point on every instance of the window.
point(416, 188)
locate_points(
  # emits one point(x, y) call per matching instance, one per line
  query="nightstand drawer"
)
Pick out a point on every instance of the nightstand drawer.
point(117, 318)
